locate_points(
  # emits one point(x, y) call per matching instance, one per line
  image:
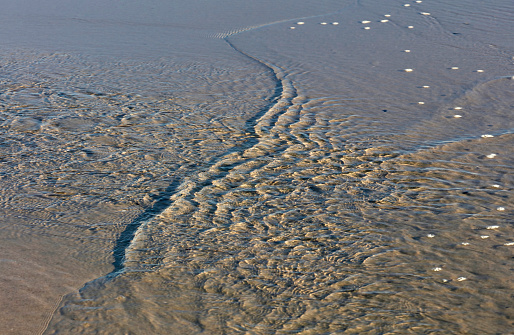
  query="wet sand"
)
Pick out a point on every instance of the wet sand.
point(209, 169)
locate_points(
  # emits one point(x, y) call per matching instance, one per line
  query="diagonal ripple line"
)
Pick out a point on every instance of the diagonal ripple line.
point(163, 200)
point(279, 101)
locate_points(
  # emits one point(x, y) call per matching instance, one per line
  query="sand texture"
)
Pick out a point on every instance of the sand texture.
point(271, 167)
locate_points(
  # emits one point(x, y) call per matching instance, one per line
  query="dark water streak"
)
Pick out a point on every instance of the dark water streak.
point(163, 199)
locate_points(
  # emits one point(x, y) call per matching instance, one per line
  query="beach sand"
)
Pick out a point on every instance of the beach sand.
point(272, 167)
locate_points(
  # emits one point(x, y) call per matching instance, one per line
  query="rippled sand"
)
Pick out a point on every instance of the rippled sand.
point(238, 176)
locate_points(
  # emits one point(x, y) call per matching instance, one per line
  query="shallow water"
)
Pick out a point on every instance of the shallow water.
point(168, 169)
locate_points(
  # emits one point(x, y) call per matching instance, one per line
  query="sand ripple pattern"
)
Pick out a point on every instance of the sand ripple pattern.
point(78, 162)
point(313, 220)
point(321, 221)
point(256, 235)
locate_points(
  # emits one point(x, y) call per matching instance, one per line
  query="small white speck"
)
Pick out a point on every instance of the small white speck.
point(457, 116)
point(454, 67)
point(424, 13)
point(430, 235)
point(437, 269)
point(445, 280)
point(509, 243)
point(384, 21)
point(421, 103)
point(491, 156)
point(419, 1)
point(487, 136)
point(461, 279)
point(292, 27)
point(365, 22)
point(484, 236)
point(465, 243)
point(323, 23)
point(335, 23)
point(425, 86)
point(301, 22)
point(495, 186)
point(501, 209)
point(457, 108)
point(387, 15)
point(407, 5)
point(493, 227)
point(408, 70)
point(480, 71)
point(410, 27)
point(367, 28)
point(406, 50)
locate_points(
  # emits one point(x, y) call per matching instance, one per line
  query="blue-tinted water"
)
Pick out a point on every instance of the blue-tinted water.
point(205, 168)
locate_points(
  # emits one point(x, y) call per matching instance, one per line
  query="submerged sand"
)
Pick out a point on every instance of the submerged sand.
point(205, 168)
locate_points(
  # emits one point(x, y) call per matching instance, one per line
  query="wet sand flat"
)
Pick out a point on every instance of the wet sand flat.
point(259, 168)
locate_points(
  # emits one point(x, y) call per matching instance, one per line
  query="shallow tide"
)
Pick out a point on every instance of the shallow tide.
point(315, 168)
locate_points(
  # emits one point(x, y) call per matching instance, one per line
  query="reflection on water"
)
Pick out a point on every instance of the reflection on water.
point(297, 186)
